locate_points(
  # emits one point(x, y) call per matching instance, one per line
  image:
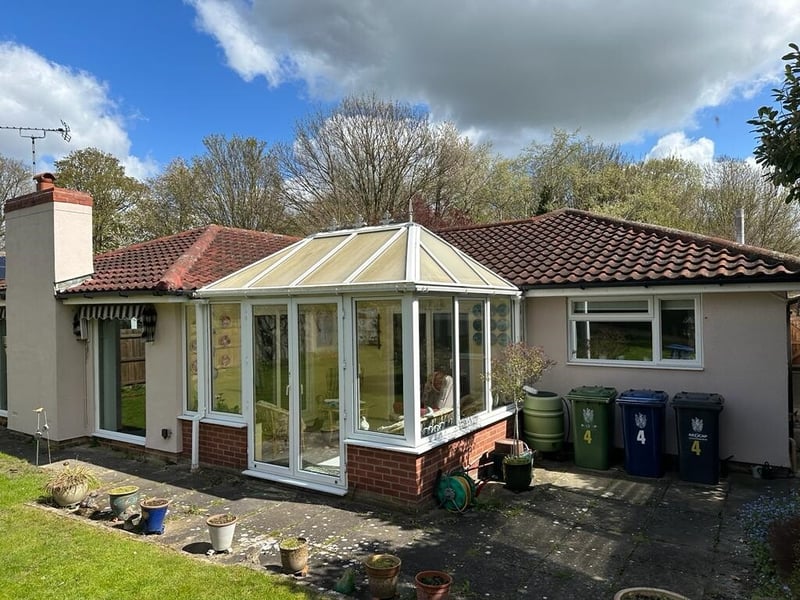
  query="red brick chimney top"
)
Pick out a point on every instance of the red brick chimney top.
point(44, 181)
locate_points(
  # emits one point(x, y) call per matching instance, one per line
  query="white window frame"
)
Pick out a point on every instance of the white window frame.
point(652, 315)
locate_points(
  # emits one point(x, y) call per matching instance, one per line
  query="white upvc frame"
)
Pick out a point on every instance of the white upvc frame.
point(94, 332)
point(652, 315)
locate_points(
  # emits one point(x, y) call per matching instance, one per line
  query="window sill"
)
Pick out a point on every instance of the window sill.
point(235, 423)
point(632, 365)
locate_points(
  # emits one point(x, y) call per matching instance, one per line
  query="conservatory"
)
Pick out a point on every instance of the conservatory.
point(360, 357)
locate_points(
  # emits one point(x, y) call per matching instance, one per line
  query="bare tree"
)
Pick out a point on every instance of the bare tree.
point(238, 184)
point(459, 180)
point(15, 180)
point(769, 221)
point(365, 158)
point(170, 205)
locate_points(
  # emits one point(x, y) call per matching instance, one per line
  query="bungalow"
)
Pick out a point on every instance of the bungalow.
point(353, 361)
point(635, 306)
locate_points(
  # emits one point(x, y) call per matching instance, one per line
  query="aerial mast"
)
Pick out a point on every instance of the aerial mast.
point(38, 133)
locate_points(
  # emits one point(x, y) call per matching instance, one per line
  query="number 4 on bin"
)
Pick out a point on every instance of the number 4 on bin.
point(696, 447)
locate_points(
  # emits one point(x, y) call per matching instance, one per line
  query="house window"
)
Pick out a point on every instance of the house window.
point(379, 353)
point(226, 336)
point(191, 358)
point(641, 330)
point(500, 334)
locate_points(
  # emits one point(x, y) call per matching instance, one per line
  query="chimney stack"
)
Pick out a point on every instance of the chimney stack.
point(44, 181)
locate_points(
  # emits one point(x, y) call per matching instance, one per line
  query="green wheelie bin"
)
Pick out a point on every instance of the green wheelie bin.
point(592, 425)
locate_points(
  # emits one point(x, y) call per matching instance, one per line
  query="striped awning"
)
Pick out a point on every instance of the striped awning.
point(144, 313)
point(112, 311)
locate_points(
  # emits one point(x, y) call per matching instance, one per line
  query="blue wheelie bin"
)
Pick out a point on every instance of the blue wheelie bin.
point(697, 419)
point(643, 431)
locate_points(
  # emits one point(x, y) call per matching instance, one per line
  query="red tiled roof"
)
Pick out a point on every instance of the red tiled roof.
point(180, 262)
point(573, 248)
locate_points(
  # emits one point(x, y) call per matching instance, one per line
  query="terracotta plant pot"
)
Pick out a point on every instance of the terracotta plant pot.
point(294, 555)
point(647, 593)
point(382, 572)
point(433, 585)
point(221, 529)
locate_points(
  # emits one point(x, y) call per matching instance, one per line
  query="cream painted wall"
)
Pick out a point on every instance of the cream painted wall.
point(745, 360)
point(164, 372)
point(44, 244)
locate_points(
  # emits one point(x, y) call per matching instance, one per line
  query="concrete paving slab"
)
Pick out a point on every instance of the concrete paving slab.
point(575, 533)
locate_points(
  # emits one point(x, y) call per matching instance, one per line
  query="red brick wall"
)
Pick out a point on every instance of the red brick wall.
point(220, 445)
point(409, 480)
point(384, 475)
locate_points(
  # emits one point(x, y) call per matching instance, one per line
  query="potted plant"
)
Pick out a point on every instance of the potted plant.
point(154, 511)
point(221, 528)
point(71, 484)
point(514, 368)
point(122, 499)
point(647, 593)
point(294, 555)
point(433, 585)
point(382, 572)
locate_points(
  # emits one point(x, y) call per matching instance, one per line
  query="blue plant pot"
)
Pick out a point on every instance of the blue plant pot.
point(153, 515)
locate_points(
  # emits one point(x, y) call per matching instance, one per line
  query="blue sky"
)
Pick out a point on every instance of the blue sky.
point(146, 80)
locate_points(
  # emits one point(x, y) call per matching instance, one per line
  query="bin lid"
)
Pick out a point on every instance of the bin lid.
point(593, 393)
point(698, 400)
point(643, 397)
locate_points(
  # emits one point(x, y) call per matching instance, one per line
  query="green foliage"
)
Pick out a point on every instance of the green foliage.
point(515, 366)
point(71, 475)
point(573, 172)
point(779, 130)
point(113, 192)
point(102, 564)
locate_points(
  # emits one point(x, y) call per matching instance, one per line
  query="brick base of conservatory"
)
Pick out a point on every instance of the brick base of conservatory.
point(376, 474)
point(408, 480)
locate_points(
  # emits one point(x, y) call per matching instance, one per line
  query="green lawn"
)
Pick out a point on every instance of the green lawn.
point(48, 556)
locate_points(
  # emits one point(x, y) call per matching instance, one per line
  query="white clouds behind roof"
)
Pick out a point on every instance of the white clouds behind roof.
point(515, 70)
point(677, 145)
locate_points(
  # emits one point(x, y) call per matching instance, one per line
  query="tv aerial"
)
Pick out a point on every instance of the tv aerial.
point(38, 133)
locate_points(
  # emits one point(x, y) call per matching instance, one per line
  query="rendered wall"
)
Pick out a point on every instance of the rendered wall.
point(164, 371)
point(745, 359)
point(48, 239)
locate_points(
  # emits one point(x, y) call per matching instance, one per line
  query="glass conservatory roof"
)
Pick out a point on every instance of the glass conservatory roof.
point(397, 257)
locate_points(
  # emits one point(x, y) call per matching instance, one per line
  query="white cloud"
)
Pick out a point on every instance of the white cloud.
point(517, 69)
point(677, 145)
point(37, 93)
